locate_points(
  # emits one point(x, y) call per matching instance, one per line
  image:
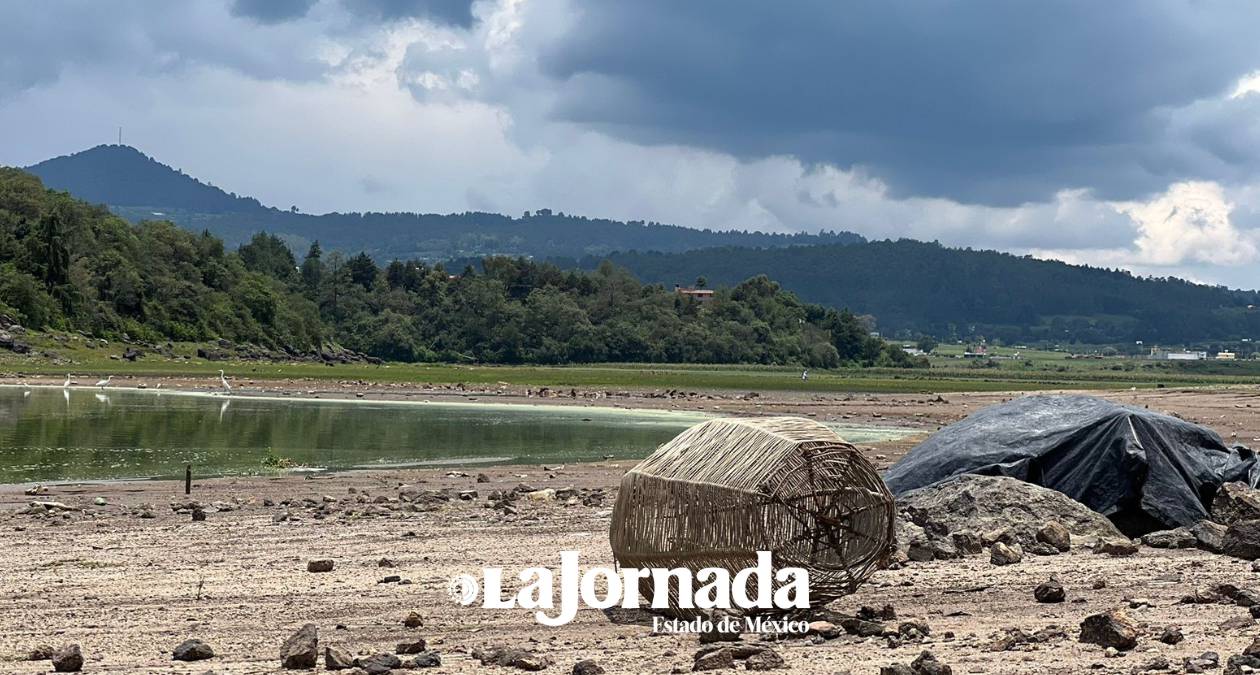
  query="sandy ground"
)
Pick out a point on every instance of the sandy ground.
point(128, 589)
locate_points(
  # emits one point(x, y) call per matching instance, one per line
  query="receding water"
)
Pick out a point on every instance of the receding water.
point(51, 434)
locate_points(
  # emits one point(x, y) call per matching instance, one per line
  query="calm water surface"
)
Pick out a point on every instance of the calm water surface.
point(51, 434)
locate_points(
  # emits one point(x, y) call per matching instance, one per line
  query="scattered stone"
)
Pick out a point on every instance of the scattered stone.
point(414, 647)
point(1202, 663)
point(511, 657)
point(1050, 591)
point(1180, 537)
point(719, 659)
point(767, 659)
point(192, 650)
point(1055, 534)
point(40, 653)
point(385, 562)
point(1116, 548)
point(336, 658)
point(967, 543)
point(378, 664)
point(1171, 635)
point(301, 650)
point(896, 669)
point(99, 501)
point(1237, 665)
point(427, 660)
point(1110, 629)
point(321, 565)
point(198, 515)
point(1238, 623)
point(68, 659)
point(1210, 535)
point(483, 478)
point(587, 667)
point(1235, 502)
point(1002, 554)
point(726, 627)
point(926, 664)
point(1157, 663)
point(413, 620)
point(862, 628)
point(1242, 540)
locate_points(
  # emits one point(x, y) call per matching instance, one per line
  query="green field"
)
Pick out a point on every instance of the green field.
point(1033, 370)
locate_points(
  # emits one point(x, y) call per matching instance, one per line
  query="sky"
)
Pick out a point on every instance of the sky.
point(1119, 134)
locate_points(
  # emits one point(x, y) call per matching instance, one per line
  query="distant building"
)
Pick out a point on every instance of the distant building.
point(1226, 356)
point(1186, 356)
point(979, 351)
point(912, 350)
point(697, 294)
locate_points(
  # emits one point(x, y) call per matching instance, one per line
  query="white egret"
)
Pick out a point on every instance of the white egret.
point(66, 384)
point(227, 388)
point(105, 382)
point(26, 390)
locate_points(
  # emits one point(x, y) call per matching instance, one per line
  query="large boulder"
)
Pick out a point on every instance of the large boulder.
point(301, 650)
point(1242, 540)
point(1235, 502)
point(969, 503)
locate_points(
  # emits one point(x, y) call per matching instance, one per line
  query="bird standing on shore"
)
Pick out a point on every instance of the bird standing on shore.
point(227, 388)
point(105, 382)
point(66, 384)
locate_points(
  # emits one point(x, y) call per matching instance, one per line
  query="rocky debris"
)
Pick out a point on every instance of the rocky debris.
point(1011, 639)
point(1202, 663)
point(1110, 629)
point(1155, 664)
point(1002, 554)
point(301, 650)
point(1210, 535)
point(1243, 663)
point(926, 664)
point(378, 664)
point(1171, 635)
point(1000, 509)
point(483, 478)
point(336, 658)
point(719, 659)
point(1235, 502)
point(824, 629)
point(587, 667)
point(320, 565)
point(755, 657)
point(68, 659)
point(765, 660)
point(885, 613)
point(1180, 537)
point(510, 657)
point(1049, 591)
point(428, 659)
point(198, 515)
point(1116, 548)
point(862, 627)
point(40, 653)
point(1055, 534)
point(192, 650)
point(413, 647)
point(413, 620)
point(1242, 540)
point(725, 626)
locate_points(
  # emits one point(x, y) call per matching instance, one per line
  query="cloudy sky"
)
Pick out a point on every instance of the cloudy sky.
point(1122, 133)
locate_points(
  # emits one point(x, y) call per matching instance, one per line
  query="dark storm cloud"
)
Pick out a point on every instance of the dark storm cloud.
point(452, 12)
point(271, 11)
point(989, 101)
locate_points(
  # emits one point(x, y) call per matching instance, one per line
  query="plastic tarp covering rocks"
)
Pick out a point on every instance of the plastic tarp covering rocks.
point(1143, 470)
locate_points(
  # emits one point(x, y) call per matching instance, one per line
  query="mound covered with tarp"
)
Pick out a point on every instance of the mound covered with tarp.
point(1143, 470)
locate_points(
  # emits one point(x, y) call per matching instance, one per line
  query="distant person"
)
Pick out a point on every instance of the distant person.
point(805, 375)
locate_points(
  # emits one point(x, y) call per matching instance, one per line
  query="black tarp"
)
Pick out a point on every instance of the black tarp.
point(1143, 470)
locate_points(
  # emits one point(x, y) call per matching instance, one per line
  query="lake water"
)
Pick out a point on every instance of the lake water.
point(50, 434)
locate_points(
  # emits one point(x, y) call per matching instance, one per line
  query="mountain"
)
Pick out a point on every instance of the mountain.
point(139, 187)
point(913, 287)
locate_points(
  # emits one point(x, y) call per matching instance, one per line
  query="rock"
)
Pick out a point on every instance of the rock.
point(413, 620)
point(301, 650)
point(68, 659)
point(511, 657)
point(40, 653)
point(990, 504)
point(726, 627)
point(1001, 554)
point(1210, 535)
point(1055, 534)
point(1253, 649)
point(719, 659)
point(414, 647)
point(1242, 540)
point(336, 658)
point(1110, 629)
point(1157, 663)
point(321, 565)
point(1049, 591)
point(378, 664)
point(1116, 548)
point(1235, 664)
point(483, 478)
point(926, 664)
point(99, 501)
point(1235, 502)
point(826, 629)
point(192, 650)
point(386, 562)
point(544, 495)
point(198, 515)
point(967, 543)
point(587, 667)
point(765, 660)
point(896, 669)
point(1237, 623)
point(1180, 537)
point(428, 660)
point(862, 628)
point(1171, 635)
point(1202, 663)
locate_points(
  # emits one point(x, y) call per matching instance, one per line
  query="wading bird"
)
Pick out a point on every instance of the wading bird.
point(105, 382)
point(227, 388)
point(66, 384)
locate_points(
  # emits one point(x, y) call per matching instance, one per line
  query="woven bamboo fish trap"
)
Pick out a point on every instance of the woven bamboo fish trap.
point(725, 489)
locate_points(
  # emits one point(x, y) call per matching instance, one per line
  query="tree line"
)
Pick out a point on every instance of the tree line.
point(68, 265)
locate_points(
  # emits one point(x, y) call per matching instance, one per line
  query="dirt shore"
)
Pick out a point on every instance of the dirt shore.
point(128, 588)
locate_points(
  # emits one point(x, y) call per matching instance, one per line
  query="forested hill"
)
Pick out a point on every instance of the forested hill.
point(68, 265)
point(138, 187)
point(915, 287)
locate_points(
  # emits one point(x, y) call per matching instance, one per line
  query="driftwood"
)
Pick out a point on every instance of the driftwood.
point(725, 489)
